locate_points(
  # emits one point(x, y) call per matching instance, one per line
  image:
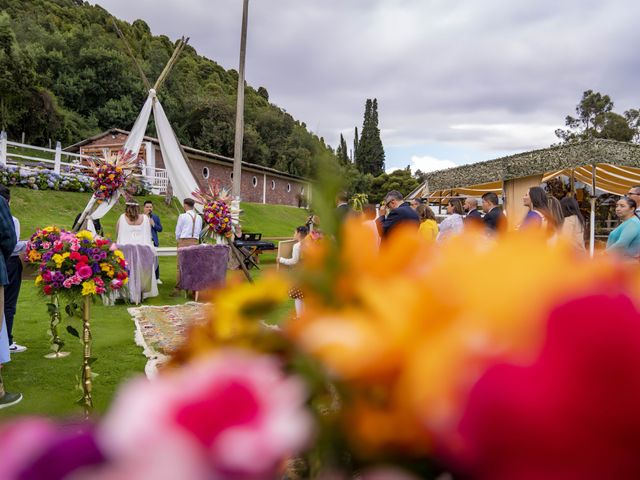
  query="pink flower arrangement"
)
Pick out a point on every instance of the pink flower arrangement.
point(77, 264)
point(110, 175)
point(236, 414)
point(217, 216)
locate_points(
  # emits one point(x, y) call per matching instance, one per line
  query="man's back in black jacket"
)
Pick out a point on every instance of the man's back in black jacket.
point(403, 214)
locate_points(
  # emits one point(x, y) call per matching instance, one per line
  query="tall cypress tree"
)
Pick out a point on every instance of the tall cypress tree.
point(370, 157)
point(341, 152)
point(356, 141)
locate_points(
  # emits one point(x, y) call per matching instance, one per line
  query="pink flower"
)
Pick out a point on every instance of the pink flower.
point(46, 245)
point(68, 283)
point(573, 414)
point(22, 442)
point(235, 413)
point(113, 247)
point(98, 281)
point(116, 284)
point(83, 270)
point(46, 276)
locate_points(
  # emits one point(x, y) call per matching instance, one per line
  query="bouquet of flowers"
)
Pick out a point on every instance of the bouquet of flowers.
point(78, 264)
point(112, 174)
point(41, 243)
point(217, 215)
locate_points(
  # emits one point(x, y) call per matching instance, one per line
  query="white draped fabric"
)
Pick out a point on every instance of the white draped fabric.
point(182, 181)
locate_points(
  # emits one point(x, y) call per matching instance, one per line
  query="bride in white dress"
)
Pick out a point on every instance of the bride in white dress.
point(133, 233)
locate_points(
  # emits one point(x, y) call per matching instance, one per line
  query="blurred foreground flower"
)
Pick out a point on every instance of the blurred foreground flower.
point(408, 329)
point(573, 414)
point(233, 415)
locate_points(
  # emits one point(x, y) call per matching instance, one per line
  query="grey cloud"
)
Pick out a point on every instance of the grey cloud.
point(431, 63)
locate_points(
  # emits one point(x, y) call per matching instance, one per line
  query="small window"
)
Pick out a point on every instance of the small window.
point(288, 187)
point(273, 184)
point(205, 172)
point(231, 175)
point(301, 190)
point(254, 181)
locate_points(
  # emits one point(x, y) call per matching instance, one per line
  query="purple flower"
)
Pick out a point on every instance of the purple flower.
point(58, 277)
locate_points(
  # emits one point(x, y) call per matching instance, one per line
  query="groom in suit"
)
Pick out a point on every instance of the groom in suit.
point(399, 212)
point(494, 219)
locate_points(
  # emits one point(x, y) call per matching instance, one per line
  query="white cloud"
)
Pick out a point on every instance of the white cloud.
point(427, 163)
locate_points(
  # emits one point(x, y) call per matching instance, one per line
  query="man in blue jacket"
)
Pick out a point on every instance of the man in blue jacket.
point(156, 227)
point(399, 213)
point(7, 244)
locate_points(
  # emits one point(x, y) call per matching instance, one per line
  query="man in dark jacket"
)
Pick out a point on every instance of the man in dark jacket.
point(342, 207)
point(7, 244)
point(494, 219)
point(156, 227)
point(399, 213)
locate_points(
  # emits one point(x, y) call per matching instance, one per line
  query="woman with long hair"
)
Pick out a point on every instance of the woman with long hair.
point(539, 215)
point(453, 224)
point(573, 226)
point(625, 239)
point(428, 224)
point(133, 233)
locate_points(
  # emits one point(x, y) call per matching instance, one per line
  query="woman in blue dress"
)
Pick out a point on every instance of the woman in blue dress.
point(625, 239)
point(539, 215)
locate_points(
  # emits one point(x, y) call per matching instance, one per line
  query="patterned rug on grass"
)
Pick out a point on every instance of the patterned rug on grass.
point(160, 330)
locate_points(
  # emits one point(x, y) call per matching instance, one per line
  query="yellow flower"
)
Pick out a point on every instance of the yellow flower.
point(84, 234)
point(58, 259)
point(38, 280)
point(118, 254)
point(88, 288)
point(239, 308)
point(34, 256)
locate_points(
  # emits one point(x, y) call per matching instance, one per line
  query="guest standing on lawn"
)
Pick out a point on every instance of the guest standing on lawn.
point(14, 272)
point(188, 231)
point(625, 239)
point(7, 244)
point(156, 227)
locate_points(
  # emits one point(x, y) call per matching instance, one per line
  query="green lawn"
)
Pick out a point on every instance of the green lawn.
point(41, 208)
point(49, 385)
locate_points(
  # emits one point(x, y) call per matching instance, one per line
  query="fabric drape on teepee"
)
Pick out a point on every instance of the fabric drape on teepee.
point(178, 171)
point(180, 176)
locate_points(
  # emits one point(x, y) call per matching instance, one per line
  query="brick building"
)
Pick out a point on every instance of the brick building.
point(259, 184)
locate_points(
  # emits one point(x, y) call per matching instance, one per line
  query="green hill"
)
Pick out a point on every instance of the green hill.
point(65, 75)
point(41, 208)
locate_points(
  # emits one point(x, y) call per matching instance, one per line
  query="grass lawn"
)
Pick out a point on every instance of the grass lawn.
point(41, 208)
point(49, 386)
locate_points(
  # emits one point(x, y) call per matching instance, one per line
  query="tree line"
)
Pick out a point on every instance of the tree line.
point(65, 75)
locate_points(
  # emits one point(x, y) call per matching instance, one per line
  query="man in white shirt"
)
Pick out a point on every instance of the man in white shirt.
point(188, 231)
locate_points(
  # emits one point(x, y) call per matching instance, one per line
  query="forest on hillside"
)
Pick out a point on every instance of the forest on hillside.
point(65, 75)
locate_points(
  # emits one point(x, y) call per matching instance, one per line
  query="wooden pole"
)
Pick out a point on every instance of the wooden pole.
point(237, 151)
point(145, 80)
point(592, 217)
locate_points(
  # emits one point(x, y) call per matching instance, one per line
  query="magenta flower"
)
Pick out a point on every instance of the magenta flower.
point(84, 271)
point(235, 414)
point(116, 284)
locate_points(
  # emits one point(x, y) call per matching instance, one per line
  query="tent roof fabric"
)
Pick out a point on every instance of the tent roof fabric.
point(618, 168)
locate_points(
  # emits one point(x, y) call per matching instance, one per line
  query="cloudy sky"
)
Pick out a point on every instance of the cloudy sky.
point(457, 81)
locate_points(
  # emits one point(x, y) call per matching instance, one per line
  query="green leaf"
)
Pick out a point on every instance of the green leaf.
point(73, 331)
point(92, 360)
point(52, 308)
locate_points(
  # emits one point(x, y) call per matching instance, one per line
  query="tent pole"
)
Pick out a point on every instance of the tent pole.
point(145, 80)
point(592, 219)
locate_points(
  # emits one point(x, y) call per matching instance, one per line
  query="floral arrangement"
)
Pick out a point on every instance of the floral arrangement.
point(390, 363)
point(112, 174)
point(217, 215)
point(76, 264)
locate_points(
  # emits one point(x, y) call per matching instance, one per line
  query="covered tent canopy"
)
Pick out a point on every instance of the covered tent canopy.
point(613, 166)
point(606, 165)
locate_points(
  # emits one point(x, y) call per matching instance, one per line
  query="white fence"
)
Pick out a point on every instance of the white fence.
point(65, 163)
